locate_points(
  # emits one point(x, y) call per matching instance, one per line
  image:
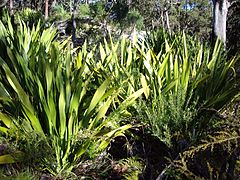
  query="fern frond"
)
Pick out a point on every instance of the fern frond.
point(222, 138)
point(131, 168)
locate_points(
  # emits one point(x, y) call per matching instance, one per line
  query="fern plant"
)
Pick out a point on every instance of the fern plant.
point(130, 168)
point(214, 156)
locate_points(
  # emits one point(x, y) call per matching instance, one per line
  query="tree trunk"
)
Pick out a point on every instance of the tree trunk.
point(46, 10)
point(74, 21)
point(167, 22)
point(11, 13)
point(220, 10)
point(20, 4)
point(11, 7)
point(162, 19)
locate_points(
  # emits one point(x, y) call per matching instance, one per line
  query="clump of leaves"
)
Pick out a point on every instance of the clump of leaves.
point(59, 13)
point(214, 157)
point(30, 16)
point(52, 93)
point(129, 168)
point(169, 119)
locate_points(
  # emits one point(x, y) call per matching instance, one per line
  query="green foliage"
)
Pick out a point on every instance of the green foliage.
point(183, 83)
point(209, 153)
point(59, 13)
point(120, 61)
point(84, 10)
point(147, 9)
point(119, 10)
point(30, 16)
point(24, 175)
point(133, 168)
point(168, 119)
point(72, 100)
point(97, 9)
point(208, 76)
point(195, 18)
point(187, 85)
point(21, 141)
point(132, 20)
point(46, 90)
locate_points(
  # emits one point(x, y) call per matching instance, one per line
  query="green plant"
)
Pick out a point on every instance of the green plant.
point(30, 16)
point(178, 76)
point(24, 175)
point(132, 20)
point(84, 10)
point(207, 72)
point(168, 119)
point(46, 90)
point(185, 85)
point(215, 156)
point(97, 9)
point(59, 13)
point(133, 168)
point(120, 60)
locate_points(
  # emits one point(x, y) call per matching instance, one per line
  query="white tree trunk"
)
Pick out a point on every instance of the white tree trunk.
point(46, 10)
point(220, 10)
point(74, 26)
point(167, 22)
point(11, 7)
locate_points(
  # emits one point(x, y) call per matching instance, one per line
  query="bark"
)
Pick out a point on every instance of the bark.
point(167, 22)
point(220, 10)
point(11, 7)
point(11, 13)
point(162, 19)
point(163, 11)
point(46, 10)
point(74, 21)
point(20, 4)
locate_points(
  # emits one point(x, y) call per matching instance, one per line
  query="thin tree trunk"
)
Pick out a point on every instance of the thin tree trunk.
point(46, 10)
point(70, 6)
point(162, 19)
point(167, 22)
point(74, 21)
point(11, 7)
point(20, 4)
point(11, 13)
point(220, 10)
